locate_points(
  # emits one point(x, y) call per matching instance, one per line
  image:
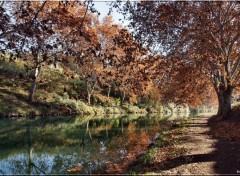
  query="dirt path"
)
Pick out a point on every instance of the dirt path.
point(206, 154)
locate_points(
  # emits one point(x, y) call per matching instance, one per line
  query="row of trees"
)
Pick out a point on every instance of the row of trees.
point(200, 39)
point(70, 33)
point(178, 51)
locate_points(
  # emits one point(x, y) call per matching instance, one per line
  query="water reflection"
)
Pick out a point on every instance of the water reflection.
point(73, 144)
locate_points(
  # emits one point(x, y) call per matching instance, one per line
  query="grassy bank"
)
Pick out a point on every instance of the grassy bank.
point(56, 93)
point(13, 103)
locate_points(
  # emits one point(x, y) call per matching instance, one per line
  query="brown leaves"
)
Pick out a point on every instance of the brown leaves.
point(226, 129)
point(189, 33)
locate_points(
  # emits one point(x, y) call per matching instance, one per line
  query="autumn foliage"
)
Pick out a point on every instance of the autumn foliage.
point(182, 52)
point(199, 37)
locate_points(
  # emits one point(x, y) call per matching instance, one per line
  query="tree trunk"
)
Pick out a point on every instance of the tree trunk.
point(30, 158)
point(122, 127)
point(90, 90)
point(224, 103)
point(34, 84)
point(198, 110)
point(122, 97)
point(89, 99)
point(109, 90)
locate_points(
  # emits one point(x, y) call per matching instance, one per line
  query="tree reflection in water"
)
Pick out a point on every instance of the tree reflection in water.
point(73, 145)
point(31, 164)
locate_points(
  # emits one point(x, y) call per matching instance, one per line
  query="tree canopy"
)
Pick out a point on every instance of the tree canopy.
point(201, 36)
point(183, 52)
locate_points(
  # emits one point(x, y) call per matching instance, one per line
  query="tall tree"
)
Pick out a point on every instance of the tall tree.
point(132, 68)
point(205, 35)
point(107, 31)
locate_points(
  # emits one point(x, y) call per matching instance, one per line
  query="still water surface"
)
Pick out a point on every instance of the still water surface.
point(64, 145)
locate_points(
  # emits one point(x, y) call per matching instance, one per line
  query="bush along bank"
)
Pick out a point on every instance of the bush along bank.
point(56, 94)
point(69, 107)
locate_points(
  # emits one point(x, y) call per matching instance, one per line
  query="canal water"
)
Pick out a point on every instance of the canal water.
point(65, 145)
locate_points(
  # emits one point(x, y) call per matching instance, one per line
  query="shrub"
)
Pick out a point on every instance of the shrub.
point(15, 67)
point(117, 101)
point(133, 109)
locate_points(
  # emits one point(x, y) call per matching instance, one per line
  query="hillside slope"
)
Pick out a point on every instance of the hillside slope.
point(59, 91)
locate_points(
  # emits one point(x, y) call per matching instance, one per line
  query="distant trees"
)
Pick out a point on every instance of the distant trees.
point(109, 53)
point(116, 64)
point(199, 36)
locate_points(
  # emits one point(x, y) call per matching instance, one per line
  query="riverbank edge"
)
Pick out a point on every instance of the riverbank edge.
point(166, 142)
point(65, 110)
point(173, 138)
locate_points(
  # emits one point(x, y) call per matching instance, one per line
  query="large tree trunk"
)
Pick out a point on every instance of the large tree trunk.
point(34, 84)
point(224, 103)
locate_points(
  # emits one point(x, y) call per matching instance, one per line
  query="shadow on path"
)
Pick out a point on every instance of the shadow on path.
point(206, 154)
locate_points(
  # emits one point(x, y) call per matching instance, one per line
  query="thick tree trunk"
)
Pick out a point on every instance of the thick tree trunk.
point(31, 94)
point(224, 103)
point(34, 84)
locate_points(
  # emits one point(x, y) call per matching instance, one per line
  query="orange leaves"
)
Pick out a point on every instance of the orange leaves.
point(164, 18)
point(76, 169)
point(187, 85)
point(107, 28)
point(193, 33)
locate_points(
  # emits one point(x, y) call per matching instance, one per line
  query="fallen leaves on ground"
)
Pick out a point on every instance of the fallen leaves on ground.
point(227, 129)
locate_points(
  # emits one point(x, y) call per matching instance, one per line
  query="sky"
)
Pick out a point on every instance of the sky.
point(103, 8)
